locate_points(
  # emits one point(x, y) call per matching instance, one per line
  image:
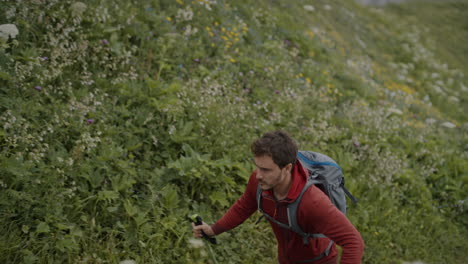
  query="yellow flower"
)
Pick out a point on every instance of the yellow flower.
point(180, 2)
point(308, 80)
point(168, 18)
point(216, 23)
point(232, 60)
point(208, 28)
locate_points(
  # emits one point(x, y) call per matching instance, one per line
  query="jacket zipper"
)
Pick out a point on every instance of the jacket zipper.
point(287, 232)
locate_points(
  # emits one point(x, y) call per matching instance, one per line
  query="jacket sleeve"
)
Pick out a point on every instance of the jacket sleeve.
point(240, 210)
point(318, 215)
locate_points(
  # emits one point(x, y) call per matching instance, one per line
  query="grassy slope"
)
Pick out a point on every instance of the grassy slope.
point(140, 122)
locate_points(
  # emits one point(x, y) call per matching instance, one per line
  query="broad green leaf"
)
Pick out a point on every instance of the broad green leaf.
point(130, 208)
point(219, 197)
point(42, 227)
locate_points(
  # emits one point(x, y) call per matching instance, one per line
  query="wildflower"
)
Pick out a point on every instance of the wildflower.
point(169, 19)
point(308, 80)
point(190, 31)
point(127, 261)
point(309, 8)
point(78, 8)
point(277, 92)
point(8, 30)
point(196, 243)
point(43, 58)
point(232, 60)
point(197, 60)
point(327, 7)
point(180, 2)
point(448, 125)
point(395, 111)
point(430, 121)
point(356, 143)
point(185, 15)
point(39, 88)
point(105, 42)
point(90, 121)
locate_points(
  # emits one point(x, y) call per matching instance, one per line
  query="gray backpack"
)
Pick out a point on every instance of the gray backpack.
point(328, 177)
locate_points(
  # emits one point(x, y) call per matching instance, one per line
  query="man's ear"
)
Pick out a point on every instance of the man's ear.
point(288, 167)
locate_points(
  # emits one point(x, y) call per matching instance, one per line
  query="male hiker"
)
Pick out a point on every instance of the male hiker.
point(282, 178)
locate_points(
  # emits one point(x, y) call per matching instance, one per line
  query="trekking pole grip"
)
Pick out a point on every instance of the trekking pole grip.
point(200, 222)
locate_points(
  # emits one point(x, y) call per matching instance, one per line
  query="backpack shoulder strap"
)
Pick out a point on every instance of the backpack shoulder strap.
point(260, 209)
point(292, 215)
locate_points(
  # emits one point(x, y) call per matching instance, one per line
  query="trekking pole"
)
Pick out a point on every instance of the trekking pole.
point(198, 221)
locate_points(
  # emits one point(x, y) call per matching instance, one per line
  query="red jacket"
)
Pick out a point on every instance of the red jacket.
point(316, 214)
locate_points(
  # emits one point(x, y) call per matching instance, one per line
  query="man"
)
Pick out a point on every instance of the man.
point(281, 178)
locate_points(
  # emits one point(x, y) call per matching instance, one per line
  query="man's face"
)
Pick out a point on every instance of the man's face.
point(269, 175)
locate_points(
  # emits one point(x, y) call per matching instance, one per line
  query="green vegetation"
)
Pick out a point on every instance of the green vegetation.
point(121, 118)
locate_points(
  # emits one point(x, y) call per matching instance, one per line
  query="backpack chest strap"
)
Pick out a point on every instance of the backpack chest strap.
point(292, 214)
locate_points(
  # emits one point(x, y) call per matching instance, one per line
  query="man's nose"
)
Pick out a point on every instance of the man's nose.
point(259, 175)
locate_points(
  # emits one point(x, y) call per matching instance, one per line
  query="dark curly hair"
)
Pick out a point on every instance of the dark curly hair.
point(278, 145)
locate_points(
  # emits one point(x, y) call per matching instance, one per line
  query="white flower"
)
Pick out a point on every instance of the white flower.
point(190, 31)
point(448, 125)
point(395, 111)
point(430, 121)
point(185, 15)
point(127, 261)
point(196, 243)
point(78, 8)
point(437, 89)
point(309, 8)
point(8, 30)
point(207, 3)
point(327, 7)
point(454, 99)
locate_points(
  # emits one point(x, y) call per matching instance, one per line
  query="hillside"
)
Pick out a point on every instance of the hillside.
point(119, 119)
